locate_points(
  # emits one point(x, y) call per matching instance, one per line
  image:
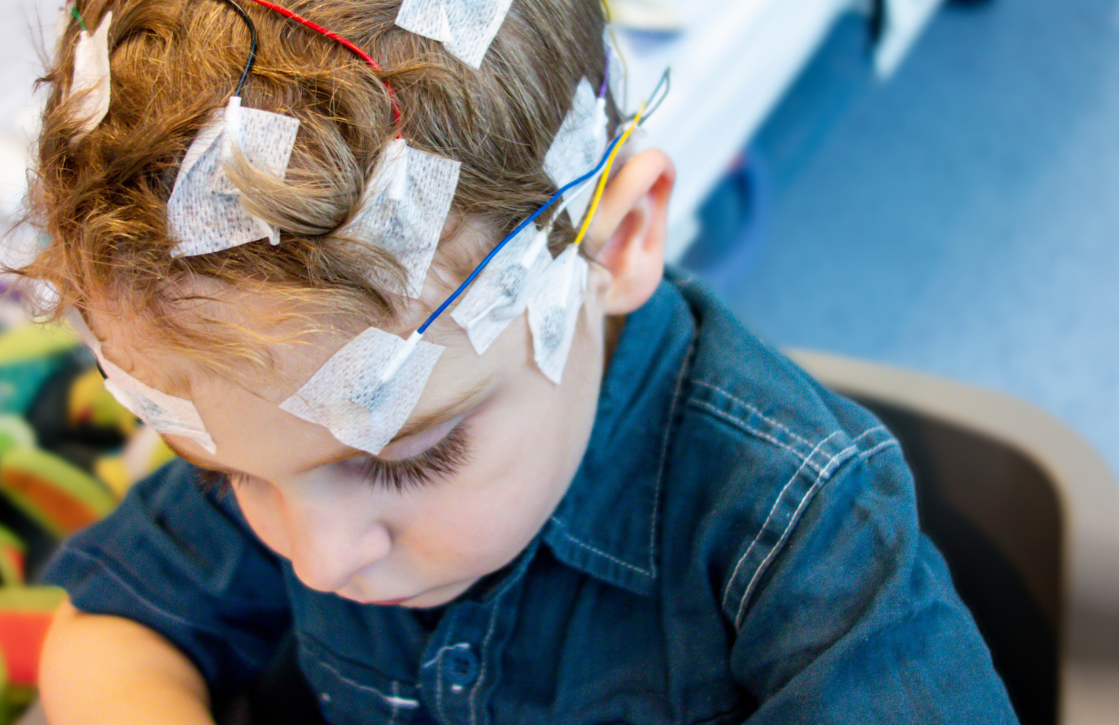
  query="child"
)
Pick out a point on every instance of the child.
point(586, 495)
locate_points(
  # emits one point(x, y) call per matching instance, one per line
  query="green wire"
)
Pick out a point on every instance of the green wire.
point(78, 17)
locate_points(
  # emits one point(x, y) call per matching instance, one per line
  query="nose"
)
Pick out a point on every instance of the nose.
point(329, 548)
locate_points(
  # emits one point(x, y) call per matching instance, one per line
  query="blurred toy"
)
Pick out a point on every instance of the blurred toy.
point(90, 404)
point(29, 355)
point(15, 433)
point(68, 453)
point(142, 454)
point(25, 615)
point(57, 495)
point(13, 558)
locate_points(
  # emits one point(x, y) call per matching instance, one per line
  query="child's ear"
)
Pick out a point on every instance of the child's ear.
point(628, 231)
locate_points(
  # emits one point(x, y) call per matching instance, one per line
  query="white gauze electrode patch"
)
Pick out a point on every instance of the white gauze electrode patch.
point(164, 413)
point(464, 27)
point(91, 83)
point(502, 290)
point(578, 147)
point(554, 311)
point(408, 199)
point(365, 392)
point(204, 212)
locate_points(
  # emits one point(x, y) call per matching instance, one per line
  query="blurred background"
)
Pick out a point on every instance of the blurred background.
point(924, 184)
point(960, 218)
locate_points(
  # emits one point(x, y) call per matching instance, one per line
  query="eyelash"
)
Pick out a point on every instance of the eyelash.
point(217, 482)
point(442, 459)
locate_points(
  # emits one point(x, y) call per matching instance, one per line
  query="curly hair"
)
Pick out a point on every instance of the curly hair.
point(102, 198)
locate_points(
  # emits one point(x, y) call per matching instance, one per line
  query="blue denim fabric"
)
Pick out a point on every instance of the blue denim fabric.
point(738, 545)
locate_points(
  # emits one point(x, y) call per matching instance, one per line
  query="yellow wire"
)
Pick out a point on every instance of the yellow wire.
point(606, 175)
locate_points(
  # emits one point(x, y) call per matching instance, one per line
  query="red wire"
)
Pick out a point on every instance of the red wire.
point(339, 39)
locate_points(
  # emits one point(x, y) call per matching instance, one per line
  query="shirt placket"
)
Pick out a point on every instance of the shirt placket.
point(461, 664)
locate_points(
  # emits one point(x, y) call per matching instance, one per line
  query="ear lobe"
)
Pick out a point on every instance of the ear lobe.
point(628, 232)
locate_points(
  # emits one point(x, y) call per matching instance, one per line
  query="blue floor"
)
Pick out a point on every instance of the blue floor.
point(961, 220)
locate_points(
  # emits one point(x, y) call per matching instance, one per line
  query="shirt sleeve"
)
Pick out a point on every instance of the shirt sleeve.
point(184, 563)
point(854, 618)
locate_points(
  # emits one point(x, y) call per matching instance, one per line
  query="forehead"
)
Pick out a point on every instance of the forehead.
point(296, 344)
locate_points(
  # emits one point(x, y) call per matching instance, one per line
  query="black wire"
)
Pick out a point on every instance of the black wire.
point(252, 47)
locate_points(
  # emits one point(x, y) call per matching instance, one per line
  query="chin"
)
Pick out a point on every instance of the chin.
point(437, 597)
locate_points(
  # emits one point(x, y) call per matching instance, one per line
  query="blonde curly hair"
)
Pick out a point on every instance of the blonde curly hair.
point(103, 199)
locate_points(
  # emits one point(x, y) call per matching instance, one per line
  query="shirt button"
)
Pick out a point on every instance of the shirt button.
point(460, 667)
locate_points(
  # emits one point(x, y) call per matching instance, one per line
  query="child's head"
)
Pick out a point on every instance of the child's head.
point(490, 447)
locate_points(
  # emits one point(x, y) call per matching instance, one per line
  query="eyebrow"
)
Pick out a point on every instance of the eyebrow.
point(460, 405)
point(463, 403)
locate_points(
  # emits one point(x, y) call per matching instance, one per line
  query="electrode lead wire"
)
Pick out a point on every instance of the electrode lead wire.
point(342, 41)
point(252, 44)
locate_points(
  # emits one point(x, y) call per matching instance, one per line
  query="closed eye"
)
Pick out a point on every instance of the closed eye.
point(442, 459)
point(218, 482)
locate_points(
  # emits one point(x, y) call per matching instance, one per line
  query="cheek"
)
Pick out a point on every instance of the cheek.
point(467, 543)
point(521, 463)
point(329, 505)
point(259, 504)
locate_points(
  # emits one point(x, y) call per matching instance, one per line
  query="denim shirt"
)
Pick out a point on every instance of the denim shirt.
point(739, 545)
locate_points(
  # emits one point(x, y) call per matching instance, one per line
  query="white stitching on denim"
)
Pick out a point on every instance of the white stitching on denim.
point(884, 444)
point(652, 572)
point(439, 670)
point(755, 431)
point(482, 671)
point(867, 432)
point(151, 605)
point(788, 527)
point(753, 410)
point(393, 700)
point(769, 517)
point(395, 707)
point(601, 553)
point(440, 651)
point(664, 457)
point(773, 422)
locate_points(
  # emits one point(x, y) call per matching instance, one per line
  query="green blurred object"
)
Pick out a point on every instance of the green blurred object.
point(15, 433)
point(29, 356)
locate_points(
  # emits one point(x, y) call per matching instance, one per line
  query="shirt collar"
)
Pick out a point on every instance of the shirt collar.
point(607, 523)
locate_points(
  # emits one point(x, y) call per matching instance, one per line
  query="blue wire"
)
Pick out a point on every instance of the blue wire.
point(663, 82)
point(477, 270)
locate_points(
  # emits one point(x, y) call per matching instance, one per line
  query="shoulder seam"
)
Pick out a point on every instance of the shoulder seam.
point(755, 431)
point(888, 443)
point(834, 461)
point(753, 409)
point(823, 474)
point(769, 517)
